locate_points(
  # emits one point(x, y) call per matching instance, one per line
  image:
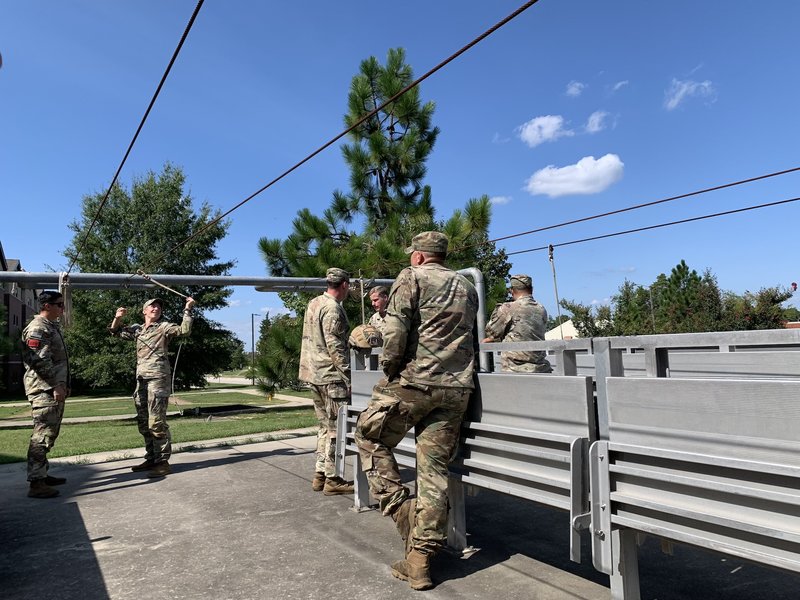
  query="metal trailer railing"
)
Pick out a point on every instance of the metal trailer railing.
point(701, 449)
point(709, 458)
point(524, 435)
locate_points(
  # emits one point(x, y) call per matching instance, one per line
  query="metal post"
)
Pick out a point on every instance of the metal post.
point(253, 346)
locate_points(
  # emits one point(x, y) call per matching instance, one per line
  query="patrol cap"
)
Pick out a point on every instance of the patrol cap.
point(335, 275)
point(520, 282)
point(158, 301)
point(428, 241)
point(49, 297)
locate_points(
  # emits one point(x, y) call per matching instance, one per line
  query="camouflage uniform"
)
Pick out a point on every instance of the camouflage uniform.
point(46, 368)
point(325, 366)
point(523, 320)
point(378, 321)
point(428, 359)
point(154, 381)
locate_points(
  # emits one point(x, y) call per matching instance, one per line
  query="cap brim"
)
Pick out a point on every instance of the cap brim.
point(409, 250)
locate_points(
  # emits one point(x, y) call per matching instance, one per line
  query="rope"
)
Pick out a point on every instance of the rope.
point(151, 280)
point(333, 140)
point(65, 290)
point(135, 135)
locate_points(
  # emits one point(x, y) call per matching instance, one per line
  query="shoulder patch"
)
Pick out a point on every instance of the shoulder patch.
point(34, 343)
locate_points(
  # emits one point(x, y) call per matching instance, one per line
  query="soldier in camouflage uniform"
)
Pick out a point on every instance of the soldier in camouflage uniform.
point(522, 320)
point(428, 360)
point(153, 379)
point(47, 387)
point(325, 366)
point(379, 297)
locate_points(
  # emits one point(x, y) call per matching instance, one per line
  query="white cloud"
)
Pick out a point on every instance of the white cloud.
point(619, 85)
point(679, 91)
point(602, 302)
point(596, 121)
point(547, 128)
point(498, 139)
point(500, 199)
point(234, 302)
point(587, 176)
point(575, 89)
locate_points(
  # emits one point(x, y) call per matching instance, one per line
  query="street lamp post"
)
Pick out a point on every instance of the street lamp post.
point(253, 346)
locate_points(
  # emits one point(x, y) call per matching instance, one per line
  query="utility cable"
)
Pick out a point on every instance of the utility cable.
point(634, 207)
point(668, 224)
point(333, 140)
point(136, 135)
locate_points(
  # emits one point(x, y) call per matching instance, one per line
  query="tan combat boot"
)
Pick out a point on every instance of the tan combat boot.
point(404, 520)
point(415, 569)
point(145, 466)
point(161, 469)
point(39, 489)
point(318, 483)
point(336, 485)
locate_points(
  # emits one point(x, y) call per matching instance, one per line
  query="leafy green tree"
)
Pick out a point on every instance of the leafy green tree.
point(791, 314)
point(278, 352)
point(136, 227)
point(387, 199)
point(761, 310)
point(588, 321)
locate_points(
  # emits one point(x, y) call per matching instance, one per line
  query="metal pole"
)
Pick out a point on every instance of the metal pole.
point(253, 347)
point(555, 288)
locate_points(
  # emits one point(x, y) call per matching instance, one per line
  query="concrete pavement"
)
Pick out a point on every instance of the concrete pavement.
point(241, 523)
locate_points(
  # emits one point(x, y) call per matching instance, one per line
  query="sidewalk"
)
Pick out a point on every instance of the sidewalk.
point(241, 523)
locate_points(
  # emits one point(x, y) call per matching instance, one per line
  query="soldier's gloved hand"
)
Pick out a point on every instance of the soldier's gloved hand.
point(391, 370)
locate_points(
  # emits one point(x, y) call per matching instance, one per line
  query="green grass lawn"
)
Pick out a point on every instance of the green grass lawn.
point(85, 438)
point(124, 406)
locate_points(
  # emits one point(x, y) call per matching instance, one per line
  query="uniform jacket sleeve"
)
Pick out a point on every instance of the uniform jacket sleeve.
point(497, 327)
point(403, 301)
point(334, 330)
point(38, 356)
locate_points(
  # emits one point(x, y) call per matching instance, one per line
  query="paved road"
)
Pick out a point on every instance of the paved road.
point(241, 523)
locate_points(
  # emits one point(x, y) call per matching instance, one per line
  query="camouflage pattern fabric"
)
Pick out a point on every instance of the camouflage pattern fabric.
point(46, 367)
point(436, 415)
point(152, 344)
point(376, 320)
point(428, 339)
point(45, 356)
point(151, 398)
point(523, 320)
point(323, 355)
point(327, 401)
point(429, 360)
point(47, 415)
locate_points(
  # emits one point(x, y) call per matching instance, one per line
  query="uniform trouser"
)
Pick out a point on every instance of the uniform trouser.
point(327, 400)
point(47, 415)
point(151, 398)
point(436, 414)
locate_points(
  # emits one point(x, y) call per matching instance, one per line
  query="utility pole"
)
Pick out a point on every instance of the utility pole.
point(253, 346)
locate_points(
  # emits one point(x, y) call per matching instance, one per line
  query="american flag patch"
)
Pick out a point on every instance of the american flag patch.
point(34, 343)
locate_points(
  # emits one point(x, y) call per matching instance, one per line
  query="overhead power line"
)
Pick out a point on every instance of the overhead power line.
point(644, 205)
point(136, 135)
point(660, 225)
point(333, 140)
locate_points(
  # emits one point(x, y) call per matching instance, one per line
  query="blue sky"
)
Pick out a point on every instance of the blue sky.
point(574, 108)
